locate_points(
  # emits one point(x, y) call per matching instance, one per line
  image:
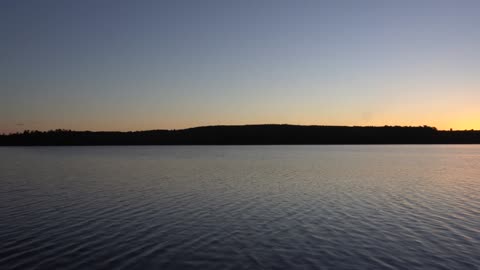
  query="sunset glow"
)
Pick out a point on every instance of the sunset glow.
point(143, 65)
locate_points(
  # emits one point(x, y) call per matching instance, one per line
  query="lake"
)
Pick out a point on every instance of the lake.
point(240, 207)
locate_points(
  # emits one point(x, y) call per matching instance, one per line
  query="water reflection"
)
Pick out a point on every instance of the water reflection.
point(240, 207)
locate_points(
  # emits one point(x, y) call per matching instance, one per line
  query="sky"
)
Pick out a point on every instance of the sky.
point(138, 65)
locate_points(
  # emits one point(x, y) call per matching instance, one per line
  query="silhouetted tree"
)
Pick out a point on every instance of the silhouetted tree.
point(248, 134)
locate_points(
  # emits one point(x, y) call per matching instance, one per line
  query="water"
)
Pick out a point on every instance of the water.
point(240, 207)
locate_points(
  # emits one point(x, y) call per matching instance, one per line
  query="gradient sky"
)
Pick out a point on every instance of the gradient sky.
point(130, 65)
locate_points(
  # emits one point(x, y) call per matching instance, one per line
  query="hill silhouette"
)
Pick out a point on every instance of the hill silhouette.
point(248, 134)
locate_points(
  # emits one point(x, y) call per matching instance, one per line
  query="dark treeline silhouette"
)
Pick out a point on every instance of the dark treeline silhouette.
point(248, 134)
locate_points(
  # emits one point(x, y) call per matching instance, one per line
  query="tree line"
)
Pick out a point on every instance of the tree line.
point(247, 134)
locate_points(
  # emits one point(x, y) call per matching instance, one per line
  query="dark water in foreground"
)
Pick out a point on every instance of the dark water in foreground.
point(240, 207)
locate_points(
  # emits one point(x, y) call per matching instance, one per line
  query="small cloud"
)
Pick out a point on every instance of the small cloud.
point(367, 116)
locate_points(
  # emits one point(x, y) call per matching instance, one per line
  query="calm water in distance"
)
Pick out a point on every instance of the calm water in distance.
point(240, 207)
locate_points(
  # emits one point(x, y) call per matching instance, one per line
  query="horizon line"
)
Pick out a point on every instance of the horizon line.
point(236, 125)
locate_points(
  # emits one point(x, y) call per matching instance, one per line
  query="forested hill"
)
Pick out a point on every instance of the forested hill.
point(248, 134)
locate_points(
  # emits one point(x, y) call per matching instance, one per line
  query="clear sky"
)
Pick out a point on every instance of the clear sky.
point(131, 65)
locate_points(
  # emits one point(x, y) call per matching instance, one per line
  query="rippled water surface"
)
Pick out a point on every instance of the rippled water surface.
point(240, 207)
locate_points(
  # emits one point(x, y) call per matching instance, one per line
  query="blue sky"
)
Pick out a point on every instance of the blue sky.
point(129, 65)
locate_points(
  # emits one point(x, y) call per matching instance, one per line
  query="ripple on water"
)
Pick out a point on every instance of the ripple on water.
point(263, 207)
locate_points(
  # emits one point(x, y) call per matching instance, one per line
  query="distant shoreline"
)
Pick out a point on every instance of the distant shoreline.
point(247, 135)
